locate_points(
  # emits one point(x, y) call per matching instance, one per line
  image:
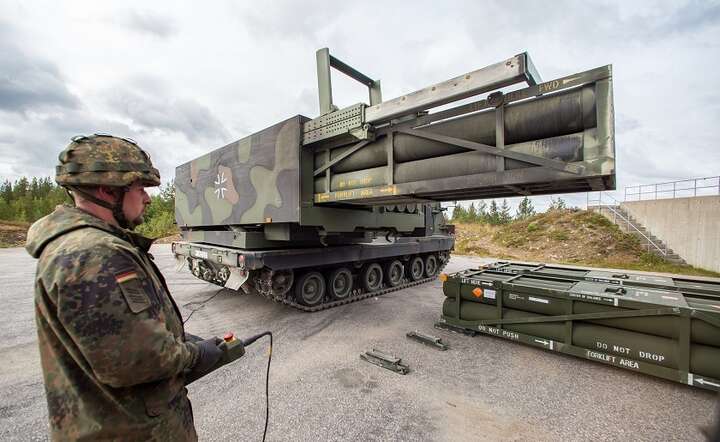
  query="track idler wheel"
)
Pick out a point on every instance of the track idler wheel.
point(371, 277)
point(394, 272)
point(281, 282)
point(431, 265)
point(310, 289)
point(340, 283)
point(416, 268)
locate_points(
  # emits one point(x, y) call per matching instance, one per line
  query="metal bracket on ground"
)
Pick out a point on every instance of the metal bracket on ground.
point(432, 341)
point(385, 360)
point(455, 329)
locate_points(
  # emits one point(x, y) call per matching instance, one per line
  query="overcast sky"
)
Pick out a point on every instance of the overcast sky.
point(183, 79)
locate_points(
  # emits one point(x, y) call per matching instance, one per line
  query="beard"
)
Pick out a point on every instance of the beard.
point(132, 223)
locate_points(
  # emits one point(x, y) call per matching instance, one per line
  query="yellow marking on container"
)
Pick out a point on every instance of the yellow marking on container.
point(389, 189)
point(549, 86)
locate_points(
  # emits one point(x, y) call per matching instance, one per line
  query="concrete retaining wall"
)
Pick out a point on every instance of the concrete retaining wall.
point(689, 226)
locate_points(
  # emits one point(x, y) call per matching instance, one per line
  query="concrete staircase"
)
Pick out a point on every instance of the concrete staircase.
point(628, 224)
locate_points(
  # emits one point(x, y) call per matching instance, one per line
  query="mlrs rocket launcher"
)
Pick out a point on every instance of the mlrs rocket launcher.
point(319, 212)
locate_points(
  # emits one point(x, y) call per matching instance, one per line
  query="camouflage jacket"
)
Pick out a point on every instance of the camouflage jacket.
point(111, 338)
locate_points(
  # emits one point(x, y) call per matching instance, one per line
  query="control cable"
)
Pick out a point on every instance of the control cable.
point(201, 305)
point(245, 343)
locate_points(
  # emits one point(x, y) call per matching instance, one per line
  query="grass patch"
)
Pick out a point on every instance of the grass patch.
point(533, 227)
point(566, 236)
point(559, 235)
point(656, 264)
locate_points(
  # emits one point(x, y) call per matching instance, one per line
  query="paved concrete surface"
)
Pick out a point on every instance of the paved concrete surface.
point(483, 388)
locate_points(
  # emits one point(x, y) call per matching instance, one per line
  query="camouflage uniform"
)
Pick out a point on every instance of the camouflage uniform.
point(111, 338)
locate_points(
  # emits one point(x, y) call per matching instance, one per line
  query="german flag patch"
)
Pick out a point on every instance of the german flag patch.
point(125, 276)
point(131, 288)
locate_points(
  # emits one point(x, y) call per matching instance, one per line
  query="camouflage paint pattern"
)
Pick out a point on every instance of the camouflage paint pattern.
point(105, 160)
point(111, 338)
point(252, 181)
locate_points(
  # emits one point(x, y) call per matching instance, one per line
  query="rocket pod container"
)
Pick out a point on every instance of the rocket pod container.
point(647, 324)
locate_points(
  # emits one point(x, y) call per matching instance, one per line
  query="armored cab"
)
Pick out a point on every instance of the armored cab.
point(320, 212)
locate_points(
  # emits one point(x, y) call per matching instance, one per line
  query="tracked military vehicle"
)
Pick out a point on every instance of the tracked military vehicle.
point(320, 212)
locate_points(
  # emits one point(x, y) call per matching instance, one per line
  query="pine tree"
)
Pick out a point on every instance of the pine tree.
point(459, 214)
point(504, 216)
point(557, 204)
point(6, 191)
point(21, 188)
point(472, 216)
point(482, 212)
point(493, 213)
point(525, 209)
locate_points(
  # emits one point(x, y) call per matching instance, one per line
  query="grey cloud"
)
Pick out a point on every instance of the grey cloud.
point(597, 24)
point(625, 123)
point(692, 17)
point(147, 103)
point(35, 153)
point(148, 23)
point(28, 82)
point(640, 162)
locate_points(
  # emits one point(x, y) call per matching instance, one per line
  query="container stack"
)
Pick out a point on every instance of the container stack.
point(662, 326)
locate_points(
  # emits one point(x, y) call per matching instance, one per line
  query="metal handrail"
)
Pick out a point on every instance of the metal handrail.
point(628, 223)
point(656, 189)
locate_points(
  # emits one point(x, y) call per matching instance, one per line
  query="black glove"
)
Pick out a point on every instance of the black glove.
point(209, 354)
point(189, 337)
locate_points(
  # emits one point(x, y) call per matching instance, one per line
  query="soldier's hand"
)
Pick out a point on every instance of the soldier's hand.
point(209, 354)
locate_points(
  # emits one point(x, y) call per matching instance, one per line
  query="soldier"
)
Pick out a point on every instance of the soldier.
point(112, 345)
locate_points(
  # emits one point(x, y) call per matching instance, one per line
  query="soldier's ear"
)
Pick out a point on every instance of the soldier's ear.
point(106, 193)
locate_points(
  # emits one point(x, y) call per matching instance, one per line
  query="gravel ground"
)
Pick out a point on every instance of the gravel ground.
point(483, 388)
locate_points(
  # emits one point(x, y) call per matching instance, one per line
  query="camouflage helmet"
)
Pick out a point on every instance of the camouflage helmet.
point(104, 160)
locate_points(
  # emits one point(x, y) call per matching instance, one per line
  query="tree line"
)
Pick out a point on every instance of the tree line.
point(27, 200)
point(499, 214)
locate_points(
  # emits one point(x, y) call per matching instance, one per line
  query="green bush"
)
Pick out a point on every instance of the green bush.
point(27, 200)
point(161, 224)
point(559, 234)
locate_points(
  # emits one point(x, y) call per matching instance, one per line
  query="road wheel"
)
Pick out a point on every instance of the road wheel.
point(394, 272)
point(371, 277)
point(340, 283)
point(416, 268)
point(431, 265)
point(310, 289)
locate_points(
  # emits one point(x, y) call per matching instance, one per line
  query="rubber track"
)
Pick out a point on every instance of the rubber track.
point(361, 296)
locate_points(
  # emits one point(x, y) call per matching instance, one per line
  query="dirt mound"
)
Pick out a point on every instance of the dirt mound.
point(13, 234)
point(563, 236)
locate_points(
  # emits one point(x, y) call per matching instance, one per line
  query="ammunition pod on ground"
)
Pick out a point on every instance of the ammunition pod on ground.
point(655, 349)
point(656, 329)
point(665, 326)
